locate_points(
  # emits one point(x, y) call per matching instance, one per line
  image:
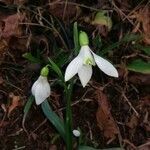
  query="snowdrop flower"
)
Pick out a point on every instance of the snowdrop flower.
point(82, 64)
point(41, 88)
point(76, 133)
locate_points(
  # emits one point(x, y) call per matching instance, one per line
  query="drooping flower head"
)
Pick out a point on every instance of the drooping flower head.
point(41, 88)
point(82, 64)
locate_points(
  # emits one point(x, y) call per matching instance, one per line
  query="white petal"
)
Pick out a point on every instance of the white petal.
point(73, 67)
point(105, 66)
point(42, 90)
point(85, 53)
point(34, 87)
point(85, 74)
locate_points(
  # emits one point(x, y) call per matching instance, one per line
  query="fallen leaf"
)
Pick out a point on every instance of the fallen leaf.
point(15, 102)
point(3, 47)
point(61, 8)
point(133, 122)
point(11, 25)
point(104, 117)
point(145, 146)
point(139, 79)
point(143, 22)
point(20, 44)
point(53, 147)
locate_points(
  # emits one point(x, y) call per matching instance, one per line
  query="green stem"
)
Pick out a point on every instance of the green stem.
point(68, 93)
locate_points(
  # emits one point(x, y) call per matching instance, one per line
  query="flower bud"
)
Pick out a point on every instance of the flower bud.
point(44, 71)
point(76, 133)
point(83, 38)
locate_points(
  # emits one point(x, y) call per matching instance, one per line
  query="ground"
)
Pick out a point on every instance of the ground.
point(110, 112)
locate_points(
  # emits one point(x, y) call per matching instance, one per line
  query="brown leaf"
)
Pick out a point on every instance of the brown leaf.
point(143, 22)
point(140, 79)
point(14, 103)
point(3, 47)
point(146, 24)
point(61, 8)
point(145, 146)
point(11, 25)
point(104, 117)
point(53, 147)
point(133, 122)
point(18, 44)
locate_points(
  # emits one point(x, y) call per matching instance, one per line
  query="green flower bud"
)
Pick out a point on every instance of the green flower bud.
point(83, 38)
point(44, 71)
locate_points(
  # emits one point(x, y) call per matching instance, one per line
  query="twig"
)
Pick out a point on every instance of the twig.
point(126, 99)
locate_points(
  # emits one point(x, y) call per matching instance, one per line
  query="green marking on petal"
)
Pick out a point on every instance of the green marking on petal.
point(88, 61)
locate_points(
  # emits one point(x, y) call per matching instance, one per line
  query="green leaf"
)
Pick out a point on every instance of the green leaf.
point(27, 107)
point(146, 49)
point(131, 37)
point(56, 69)
point(76, 38)
point(127, 38)
point(28, 104)
point(61, 58)
point(97, 42)
point(109, 48)
point(31, 58)
point(54, 119)
point(139, 66)
point(91, 148)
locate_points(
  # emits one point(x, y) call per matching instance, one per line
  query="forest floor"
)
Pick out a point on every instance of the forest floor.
point(110, 112)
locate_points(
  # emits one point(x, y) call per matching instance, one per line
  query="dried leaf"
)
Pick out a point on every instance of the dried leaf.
point(14, 103)
point(11, 25)
point(53, 147)
point(143, 21)
point(3, 46)
point(140, 79)
point(61, 8)
point(104, 117)
point(145, 146)
point(133, 122)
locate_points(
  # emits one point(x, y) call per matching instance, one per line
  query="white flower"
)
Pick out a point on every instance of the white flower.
point(41, 89)
point(76, 133)
point(82, 64)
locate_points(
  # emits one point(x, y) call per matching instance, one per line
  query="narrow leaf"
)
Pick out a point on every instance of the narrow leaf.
point(146, 49)
point(76, 38)
point(91, 148)
point(28, 104)
point(139, 66)
point(27, 108)
point(131, 37)
point(54, 119)
point(56, 69)
point(31, 58)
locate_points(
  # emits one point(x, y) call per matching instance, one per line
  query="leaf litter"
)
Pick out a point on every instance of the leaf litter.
point(18, 37)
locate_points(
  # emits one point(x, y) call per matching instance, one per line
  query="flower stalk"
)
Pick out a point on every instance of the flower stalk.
point(68, 95)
